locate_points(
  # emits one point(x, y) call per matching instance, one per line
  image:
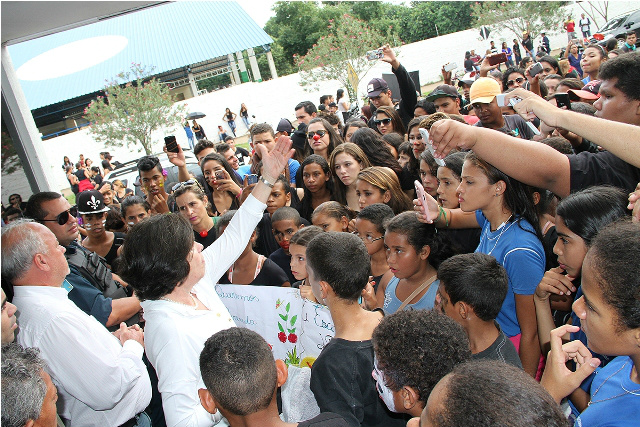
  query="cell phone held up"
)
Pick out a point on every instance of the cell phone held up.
point(562, 100)
point(219, 174)
point(421, 195)
point(535, 69)
point(171, 144)
point(497, 58)
point(372, 55)
point(252, 178)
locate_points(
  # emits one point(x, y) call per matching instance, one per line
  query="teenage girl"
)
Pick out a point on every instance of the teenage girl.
point(347, 160)
point(350, 127)
point(415, 137)
point(317, 184)
point(135, 209)
point(609, 313)
point(388, 120)
point(230, 118)
point(298, 250)
point(322, 138)
point(405, 154)
point(592, 57)
point(429, 173)
point(192, 204)
point(380, 185)
point(414, 252)
point(503, 208)
point(332, 216)
point(225, 191)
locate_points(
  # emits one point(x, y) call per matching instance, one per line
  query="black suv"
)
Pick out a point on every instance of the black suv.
point(618, 27)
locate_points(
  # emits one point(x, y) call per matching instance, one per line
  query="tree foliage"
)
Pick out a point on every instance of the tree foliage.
point(10, 160)
point(520, 16)
point(345, 46)
point(132, 108)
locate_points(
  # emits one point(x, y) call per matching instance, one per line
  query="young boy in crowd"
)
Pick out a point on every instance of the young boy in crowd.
point(284, 223)
point(472, 289)
point(414, 350)
point(280, 197)
point(242, 380)
point(341, 377)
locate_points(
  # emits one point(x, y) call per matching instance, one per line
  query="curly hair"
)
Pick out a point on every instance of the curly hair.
point(155, 255)
point(416, 348)
point(376, 149)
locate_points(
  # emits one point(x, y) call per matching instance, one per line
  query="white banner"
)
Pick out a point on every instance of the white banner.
point(296, 329)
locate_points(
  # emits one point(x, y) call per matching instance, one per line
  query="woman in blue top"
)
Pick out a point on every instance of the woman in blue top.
point(571, 53)
point(414, 252)
point(506, 49)
point(503, 208)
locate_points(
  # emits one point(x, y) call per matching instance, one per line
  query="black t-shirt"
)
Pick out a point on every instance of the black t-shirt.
point(341, 382)
point(463, 240)
point(284, 262)
point(469, 65)
point(208, 239)
point(270, 275)
point(326, 419)
point(118, 240)
point(240, 154)
point(266, 244)
point(602, 168)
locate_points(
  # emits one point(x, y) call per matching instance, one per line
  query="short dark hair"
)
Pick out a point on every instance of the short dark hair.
point(454, 161)
point(428, 106)
point(308, 106)
point(614, 253)
point(417, 348)
point(286, 213)
point(115, 220)
point(224, 220)
point(485, 393)
point(626, 70)
point(571, 83)
point(239, 370)
point(631, 33)
point(202, 144)
point(259, 128)
point(305, 235)
point(131, 201)
point(346, 278)
point(154, 257)
point(377, 214)
point(583, 108)
point(285, 183)
point(147, 163)
point(559, 143)
point(34, 208)
point(222, 148)
point(476, 279)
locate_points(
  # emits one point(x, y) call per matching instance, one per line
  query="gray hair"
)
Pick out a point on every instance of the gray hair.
point(23, 388)
point(20, 243)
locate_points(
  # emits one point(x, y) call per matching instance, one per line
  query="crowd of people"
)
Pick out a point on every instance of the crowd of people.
point(483, 272)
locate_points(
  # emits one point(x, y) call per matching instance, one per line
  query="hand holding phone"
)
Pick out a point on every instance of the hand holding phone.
point(427, 143)
point(171, 144)
point(497, 58)
point(252, 179)
point(563, 100)
point(219, 174)
point(535, 69)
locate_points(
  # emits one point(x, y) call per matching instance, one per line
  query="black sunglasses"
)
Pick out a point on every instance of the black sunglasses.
point(63, 217)
point(320, 133)
point(519, 80)
point(385, 121)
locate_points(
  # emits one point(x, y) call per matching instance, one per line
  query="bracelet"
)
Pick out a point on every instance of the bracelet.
point(267, 183)
point(442, 212)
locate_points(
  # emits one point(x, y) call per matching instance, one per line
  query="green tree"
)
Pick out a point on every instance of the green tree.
point(10, 160)
point(425, 20)
point(520, 16)
point(342, 50)
point(133, 107)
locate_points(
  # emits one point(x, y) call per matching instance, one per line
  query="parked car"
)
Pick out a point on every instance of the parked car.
point(618, 27)
point(128, 172)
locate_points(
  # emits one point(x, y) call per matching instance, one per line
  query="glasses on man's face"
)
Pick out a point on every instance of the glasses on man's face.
point(385, 121)
point(367, 238)
point(320, 133)
point(187, 183)
point(518, 80)
point(63, 217)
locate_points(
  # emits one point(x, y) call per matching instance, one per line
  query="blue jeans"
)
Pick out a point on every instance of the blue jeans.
point(246, 121)
point(232, 125)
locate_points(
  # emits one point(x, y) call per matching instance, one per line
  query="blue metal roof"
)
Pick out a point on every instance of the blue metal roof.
point(167, 36)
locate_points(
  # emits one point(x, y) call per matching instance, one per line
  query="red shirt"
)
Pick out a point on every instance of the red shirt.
point(570, 26)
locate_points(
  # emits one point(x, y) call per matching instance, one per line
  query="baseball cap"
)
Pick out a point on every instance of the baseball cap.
point(375, 87)
point(442, 91)
point(284, 125)
point(484, 90)
point(589, 91)
point(90, 202)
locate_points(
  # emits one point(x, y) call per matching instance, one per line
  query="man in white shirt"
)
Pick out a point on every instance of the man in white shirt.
point(101, 378)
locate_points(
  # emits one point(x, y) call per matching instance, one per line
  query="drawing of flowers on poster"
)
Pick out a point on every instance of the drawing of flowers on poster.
point(287, 328)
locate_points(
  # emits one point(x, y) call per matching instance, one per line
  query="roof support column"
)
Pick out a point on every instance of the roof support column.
point(244, 76)
point(272, 65)
point(192, 83)
point(235, 79)
point(23, 130)
point(254, 65)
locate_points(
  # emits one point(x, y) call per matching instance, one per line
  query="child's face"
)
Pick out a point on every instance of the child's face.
point(569, 248)
point(328, 223)
point(372, 238)
point(298, 261)
point(429, 182)
point(402, 257)
point(282, 231)
point(369, 194)
point(314, 177)
point(447, 188)
point(403, 159)
point(278, 198)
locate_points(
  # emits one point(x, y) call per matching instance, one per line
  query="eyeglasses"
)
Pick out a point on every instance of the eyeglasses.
point(519, 80)
point(188, 183)
point(385, 121)
point(367, 239)
point(63, 217)
point(320, 133)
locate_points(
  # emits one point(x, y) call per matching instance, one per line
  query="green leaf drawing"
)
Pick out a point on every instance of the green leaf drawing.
point(280, 327)
point(284, 317)
point(288, 306)
point(293, 320)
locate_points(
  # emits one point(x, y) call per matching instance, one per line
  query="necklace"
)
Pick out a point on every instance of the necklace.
point(195, 302)
point(634, 392)
point(504, 229)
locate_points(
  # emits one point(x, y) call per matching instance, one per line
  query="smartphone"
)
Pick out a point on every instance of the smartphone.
point(562, 100)
point(372, 55)
point(220, 175)
point(450, 66)
point(500, 99)
point(425, 138)
point(535, 69)
point(497, 58)
point(171, 144)
point(514, 101)
point(421, 195)
point(533, 128)
point(252, 178)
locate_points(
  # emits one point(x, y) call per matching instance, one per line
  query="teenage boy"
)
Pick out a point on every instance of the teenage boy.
point(630, 43)
point(284, 222)
point(280, 197)
point(152, 180)
point(245, 393)
point(263, 133)
point(341, 377)
point(471, 292)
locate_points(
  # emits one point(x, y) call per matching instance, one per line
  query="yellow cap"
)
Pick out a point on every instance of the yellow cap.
point(484, 90)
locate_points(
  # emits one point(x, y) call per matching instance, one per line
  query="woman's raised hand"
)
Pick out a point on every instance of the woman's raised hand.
point(274, 161)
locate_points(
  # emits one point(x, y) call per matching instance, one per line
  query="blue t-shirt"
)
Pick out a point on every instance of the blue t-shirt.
point(392, 303)
point(615, 399)
point(517, 248)
point(294, 165)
